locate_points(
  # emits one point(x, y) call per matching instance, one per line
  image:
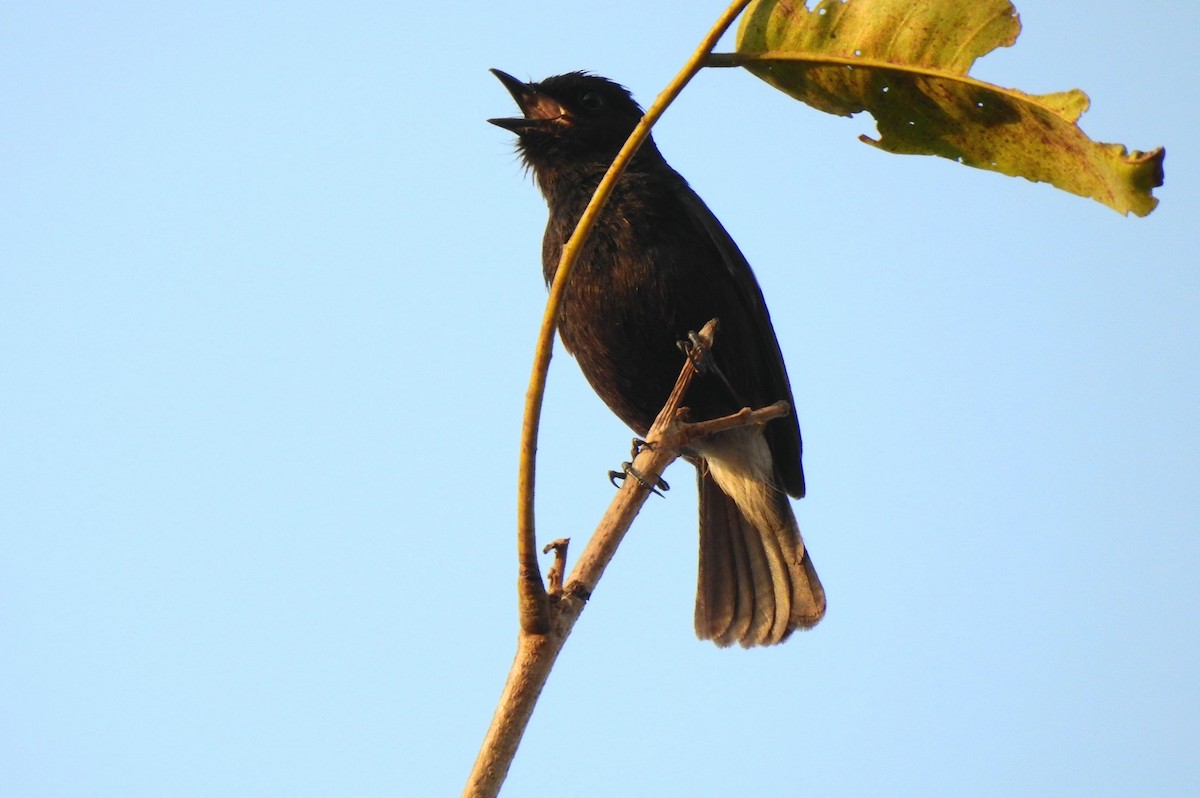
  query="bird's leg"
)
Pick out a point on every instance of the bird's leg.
point(627, 469)
point(703, 362)
point(695, 352)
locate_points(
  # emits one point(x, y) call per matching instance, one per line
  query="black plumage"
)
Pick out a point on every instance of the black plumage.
point(659, 265)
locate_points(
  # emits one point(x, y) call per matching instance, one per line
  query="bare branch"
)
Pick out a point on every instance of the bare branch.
point(536, 653)
point(745, 417)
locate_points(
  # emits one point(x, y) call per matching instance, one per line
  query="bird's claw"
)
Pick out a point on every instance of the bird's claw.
point(693, 348)
point(695, 351)
point(659, 487)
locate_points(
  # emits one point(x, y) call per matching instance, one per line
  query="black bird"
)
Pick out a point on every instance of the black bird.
point(657, 266)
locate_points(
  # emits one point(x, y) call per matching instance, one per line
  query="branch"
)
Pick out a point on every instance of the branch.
point(742, 418)
point(536, 653)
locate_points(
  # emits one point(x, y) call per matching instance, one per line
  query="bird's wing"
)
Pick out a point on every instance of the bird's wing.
point(783, 435)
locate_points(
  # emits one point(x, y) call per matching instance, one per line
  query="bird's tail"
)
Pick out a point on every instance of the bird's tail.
point(757, 583)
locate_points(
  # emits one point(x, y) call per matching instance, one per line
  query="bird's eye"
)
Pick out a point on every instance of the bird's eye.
point(592, 101)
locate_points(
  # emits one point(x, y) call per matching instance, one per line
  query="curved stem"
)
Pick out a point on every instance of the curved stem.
point(534, 610)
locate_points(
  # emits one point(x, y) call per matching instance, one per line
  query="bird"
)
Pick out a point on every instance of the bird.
point(657, 266)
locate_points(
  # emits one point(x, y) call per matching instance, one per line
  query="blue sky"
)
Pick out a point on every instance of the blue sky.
point(269, 286)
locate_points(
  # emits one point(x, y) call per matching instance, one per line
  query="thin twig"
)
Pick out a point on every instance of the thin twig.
point(651, 461)
point(554, 577)
point(745, 417)
point(536, 653)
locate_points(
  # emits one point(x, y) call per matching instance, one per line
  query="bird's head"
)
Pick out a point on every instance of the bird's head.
point(571, 118)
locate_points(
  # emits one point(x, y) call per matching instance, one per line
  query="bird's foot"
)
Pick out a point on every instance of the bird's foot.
point(659, 486)
point(694, 350)
point(703, 362)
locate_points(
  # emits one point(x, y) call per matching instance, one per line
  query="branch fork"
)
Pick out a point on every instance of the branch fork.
point(553, 613)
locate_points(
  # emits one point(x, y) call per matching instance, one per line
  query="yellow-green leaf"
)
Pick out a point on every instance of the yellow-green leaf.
point(906, 61)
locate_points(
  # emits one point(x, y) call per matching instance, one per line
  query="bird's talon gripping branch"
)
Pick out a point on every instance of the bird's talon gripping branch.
point(617, 478)
point(695, 351)
point(701, 357)
point(627, 470)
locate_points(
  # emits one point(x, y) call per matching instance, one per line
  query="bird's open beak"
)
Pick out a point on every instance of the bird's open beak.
point(539, 108)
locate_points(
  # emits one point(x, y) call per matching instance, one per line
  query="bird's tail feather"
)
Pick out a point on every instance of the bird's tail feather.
point(756, 580)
